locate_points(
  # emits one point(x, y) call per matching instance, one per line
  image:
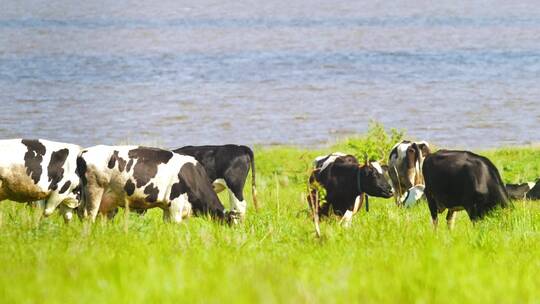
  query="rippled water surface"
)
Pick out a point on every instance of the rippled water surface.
point(171, 73)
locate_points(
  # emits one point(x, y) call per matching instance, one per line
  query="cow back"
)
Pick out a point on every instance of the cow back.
point(32, 169)
point(216, 160)
point(194, 181)
point(463, 179)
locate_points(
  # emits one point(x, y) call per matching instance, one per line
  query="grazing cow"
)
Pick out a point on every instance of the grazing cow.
point(411, 197)
point(405, 168)
point(321, 162)
point(534, 193)
point(142, 178)
point(227, 166)
point(345, 183)
point(457, 180)
point(40, 170)
point(518, 191)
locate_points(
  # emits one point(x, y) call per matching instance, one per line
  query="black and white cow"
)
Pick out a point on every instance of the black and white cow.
point(143, 178)
point(345, 182)
point(534, 193)
point(519, 191)
point(457, 180)
point(321, 162)
point(40, 170)
point(227, 166)
point(405, 170)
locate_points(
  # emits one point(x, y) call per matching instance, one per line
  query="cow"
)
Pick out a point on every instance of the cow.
point(534, 193)
point(412, 196)
point(519, 191)
point(227, 166)
point(345, 182)
point(457, 180)
point(40, 170)
point(141, 178)
point(405, 169)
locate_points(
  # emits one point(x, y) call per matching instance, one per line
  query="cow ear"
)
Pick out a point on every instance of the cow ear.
point(425, 149)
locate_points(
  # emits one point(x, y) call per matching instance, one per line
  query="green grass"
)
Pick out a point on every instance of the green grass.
point(388, 255)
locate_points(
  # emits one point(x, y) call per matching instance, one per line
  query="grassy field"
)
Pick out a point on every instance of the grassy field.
point(388, 255)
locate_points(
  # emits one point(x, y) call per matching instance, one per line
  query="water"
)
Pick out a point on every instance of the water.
point(462, 74)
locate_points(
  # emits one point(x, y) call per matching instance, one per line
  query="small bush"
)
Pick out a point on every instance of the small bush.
point(376, 144)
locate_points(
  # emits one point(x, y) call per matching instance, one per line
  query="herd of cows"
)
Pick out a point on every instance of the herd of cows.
point(450, 180)
point(99, 179)
point(183, 182)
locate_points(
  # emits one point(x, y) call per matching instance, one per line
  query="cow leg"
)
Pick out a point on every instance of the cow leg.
point(38, 204)
point(93, 197)
point(433, 210)
point(176, 209)
point(108, 207)
point(434, 222)
point(473, 213)
point(3, 191)
point(235, 183)
point(66, 212)
point(112, 213)
point(397, 197)
point(238, 204)
point(52, 203)
point(346, 219)
point(394, 181)
point(450, 219)
point(166, 214)
point(358, 202)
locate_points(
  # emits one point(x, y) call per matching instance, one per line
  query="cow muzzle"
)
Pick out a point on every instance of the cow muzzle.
point(233, 217)
point(388, 193)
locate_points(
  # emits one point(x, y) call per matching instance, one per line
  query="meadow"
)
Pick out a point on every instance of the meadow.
point(387, 255)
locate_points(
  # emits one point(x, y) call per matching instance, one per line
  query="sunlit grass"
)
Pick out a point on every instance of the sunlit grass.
point(387, 255)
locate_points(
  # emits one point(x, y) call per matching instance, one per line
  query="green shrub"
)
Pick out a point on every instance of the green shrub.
point(376, 144)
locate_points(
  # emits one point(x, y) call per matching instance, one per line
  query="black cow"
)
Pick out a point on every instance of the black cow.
point(534, 193)
point(457, 180)
point(345, 183)
point(518, 191)
point(227, 166)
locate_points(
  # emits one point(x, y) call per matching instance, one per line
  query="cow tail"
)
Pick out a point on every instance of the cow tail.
point(503, 193)
point(81, 172)
point(253, 184)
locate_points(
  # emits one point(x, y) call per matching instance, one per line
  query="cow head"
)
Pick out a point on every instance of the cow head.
point(232, 217)
point(412, 195)
point(518, 191)
point(372, 180)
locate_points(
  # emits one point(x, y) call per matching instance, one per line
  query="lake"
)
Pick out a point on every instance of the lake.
point(464, 74)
